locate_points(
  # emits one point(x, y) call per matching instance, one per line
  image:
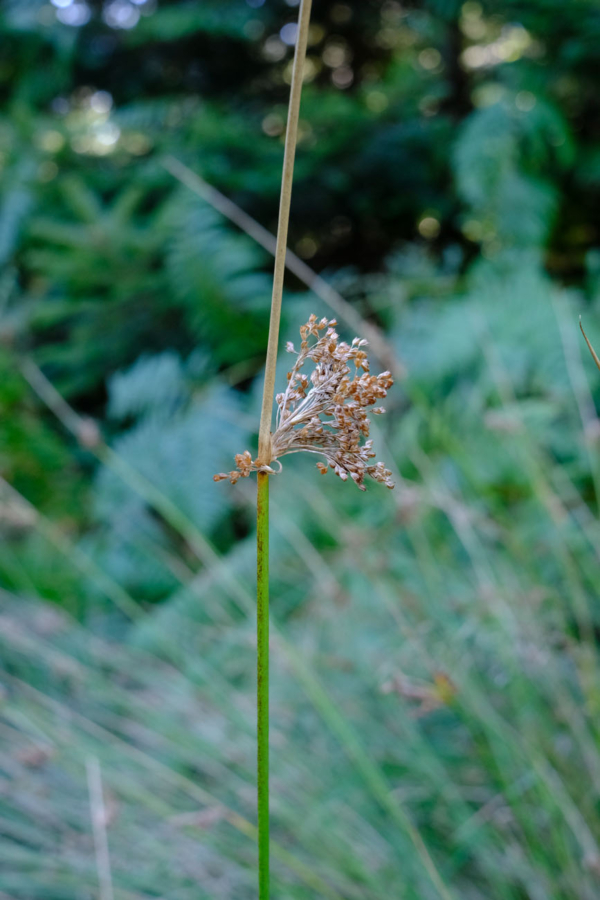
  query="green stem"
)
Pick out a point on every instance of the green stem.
point(265, 452)
point(262, 656)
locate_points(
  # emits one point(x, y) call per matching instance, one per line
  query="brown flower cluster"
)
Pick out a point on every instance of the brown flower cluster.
point(326, 414)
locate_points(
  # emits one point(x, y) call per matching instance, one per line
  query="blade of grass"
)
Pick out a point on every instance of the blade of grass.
point(98, 815)
point(591, 349)
point(579, 386)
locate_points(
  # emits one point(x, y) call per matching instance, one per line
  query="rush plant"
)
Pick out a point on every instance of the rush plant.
point(323, 414)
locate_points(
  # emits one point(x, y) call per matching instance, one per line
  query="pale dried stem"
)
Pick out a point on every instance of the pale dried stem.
point(264, 433)
point(72, 421)
point(98, 813)
point(303, 272)
point(591, 349)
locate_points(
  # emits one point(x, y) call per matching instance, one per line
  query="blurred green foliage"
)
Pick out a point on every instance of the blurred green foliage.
point(436, 660)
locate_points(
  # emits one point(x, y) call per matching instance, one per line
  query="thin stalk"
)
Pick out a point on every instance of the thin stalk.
point(264, 455)
point(591, 349)
point(262, 671)
point(264, 434)
point(98, 813)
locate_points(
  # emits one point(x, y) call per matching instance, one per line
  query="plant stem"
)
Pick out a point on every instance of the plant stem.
point(262, 669)
point(264, 454)
point(591, 349)
point(264, 434)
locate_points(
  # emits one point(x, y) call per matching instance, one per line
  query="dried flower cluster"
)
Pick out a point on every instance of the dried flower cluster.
point(326, 414)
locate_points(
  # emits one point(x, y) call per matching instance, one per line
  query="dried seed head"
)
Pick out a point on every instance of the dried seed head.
point(332, 393)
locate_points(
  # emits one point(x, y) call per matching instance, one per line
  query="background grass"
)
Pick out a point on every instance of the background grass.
point(435, 675)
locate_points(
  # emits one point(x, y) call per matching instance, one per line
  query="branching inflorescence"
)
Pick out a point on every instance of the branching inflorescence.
point(326, 414)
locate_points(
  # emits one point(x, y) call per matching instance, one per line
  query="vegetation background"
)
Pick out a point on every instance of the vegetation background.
point(436, 682)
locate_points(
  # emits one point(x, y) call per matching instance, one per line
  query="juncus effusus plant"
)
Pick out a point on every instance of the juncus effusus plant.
point(323, 412)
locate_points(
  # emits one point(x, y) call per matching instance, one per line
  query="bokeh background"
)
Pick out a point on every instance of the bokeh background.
point(436, 682)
